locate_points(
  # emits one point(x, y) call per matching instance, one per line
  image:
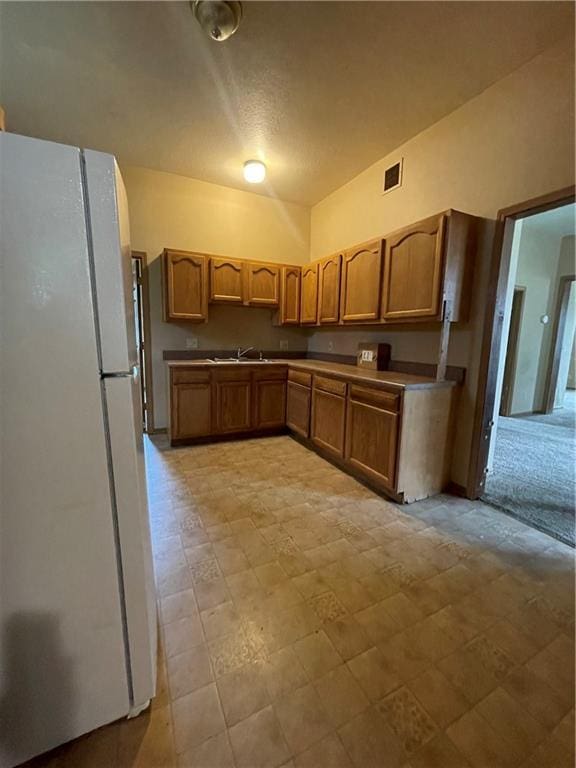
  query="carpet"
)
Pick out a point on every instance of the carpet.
point(533, 477)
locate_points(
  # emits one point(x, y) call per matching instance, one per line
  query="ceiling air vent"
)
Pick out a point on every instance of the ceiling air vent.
point(393, 176)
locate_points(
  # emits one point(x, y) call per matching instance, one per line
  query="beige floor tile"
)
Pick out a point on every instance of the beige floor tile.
point(213, 753)
point(353, 595)
point(369, 740)
point(188, 671)
point(258, 742)
point(327, 753)
point(327, 607)
point(270, 574)
point(283, 672)
point(347, 636)
point(480, 744)
point(341, 695)
point(146, 741)
point(565, 730)
point(439, 753)
point(178, 606)
point(375, 675)
point(517, 646)
point(242, 693)
point(404, 653)
point(379, 585)
point(230, 652)
point(511, 721)
point(182, 635)
point(407, 719)
point(377, 623)
point(402, 610)
point(550, 754)
point(209, 594)
point(466, 673)
point(302, 718)
point(220, 620)
point(197, 717)
point(554, 664)
point(536, 696)
point(317, 654)
point(443, 702)
point(310, 584)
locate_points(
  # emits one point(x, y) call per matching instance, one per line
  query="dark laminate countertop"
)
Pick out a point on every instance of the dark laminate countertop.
point(384, 379)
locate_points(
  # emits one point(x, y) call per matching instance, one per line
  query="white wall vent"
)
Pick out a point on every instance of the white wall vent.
point(393, 176)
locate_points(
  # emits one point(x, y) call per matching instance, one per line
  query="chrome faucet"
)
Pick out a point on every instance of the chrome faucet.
point(241, 352)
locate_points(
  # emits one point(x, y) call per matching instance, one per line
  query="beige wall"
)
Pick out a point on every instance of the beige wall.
point(169, 211)
point(513, 142)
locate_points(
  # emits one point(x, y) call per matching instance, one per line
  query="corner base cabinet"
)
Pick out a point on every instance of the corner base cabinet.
point(393, 432)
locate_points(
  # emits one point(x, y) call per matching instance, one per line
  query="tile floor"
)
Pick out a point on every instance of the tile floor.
point(308, 623)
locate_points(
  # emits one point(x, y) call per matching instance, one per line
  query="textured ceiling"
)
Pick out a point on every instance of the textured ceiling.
point(317, 90)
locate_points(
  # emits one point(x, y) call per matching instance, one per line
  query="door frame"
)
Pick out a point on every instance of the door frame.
point(493, 326)
point(142, 257)
point(504, 409)
point(561, 311)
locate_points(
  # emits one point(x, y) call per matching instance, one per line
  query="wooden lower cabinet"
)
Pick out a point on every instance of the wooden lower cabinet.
point(328, 421)
point(233, 405)
point(372, 441)
point(298, 409)
point(269, 402)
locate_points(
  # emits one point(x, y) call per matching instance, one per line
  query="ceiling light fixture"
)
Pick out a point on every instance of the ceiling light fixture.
point(218, 18)
point(254, 171)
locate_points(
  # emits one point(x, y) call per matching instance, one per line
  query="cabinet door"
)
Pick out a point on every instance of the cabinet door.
point(269, 403)
point(329, 289)
point(309, 304)
point(190, 408)
point(233, 405)
point(372, 441)
point(328, 421)
point(226, 281)
point(262, 284)
point(290, 296)
point(413, 265)
point(298, 409)
point(361, 286)
point(186, 286)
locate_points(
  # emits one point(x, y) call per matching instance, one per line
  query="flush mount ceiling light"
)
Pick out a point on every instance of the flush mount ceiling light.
point(254, 171)
point(218, 18)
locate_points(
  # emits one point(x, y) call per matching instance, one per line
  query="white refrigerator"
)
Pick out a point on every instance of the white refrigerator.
point(77, 605)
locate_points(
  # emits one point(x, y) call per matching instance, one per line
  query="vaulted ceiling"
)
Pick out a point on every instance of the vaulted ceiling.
point(318, 90)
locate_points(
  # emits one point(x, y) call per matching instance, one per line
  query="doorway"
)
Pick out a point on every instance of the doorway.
point(524, 450)
point(141, 298)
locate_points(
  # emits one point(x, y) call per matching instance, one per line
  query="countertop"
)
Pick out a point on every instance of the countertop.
point(385, 379)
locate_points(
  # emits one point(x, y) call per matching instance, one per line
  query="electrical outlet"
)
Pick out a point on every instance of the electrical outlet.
point(192, 342)
point(283, 345)
point(330, 346)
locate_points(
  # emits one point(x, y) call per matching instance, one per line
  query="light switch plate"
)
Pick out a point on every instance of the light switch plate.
point(192, 342)
point(283, 345)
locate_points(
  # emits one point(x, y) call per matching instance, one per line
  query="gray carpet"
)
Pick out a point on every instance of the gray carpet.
point(533, 477)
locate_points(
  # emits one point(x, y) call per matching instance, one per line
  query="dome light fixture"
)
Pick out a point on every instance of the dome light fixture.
point(218, 18)
point(254, 171)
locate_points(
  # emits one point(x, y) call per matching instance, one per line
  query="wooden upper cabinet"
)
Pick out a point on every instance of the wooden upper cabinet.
point(329, 289)
point(185, 286)
point(262, 284)
point(413, 272)
point(226, 280)
point(361, 275)
point(309, 302)
point(289, 296)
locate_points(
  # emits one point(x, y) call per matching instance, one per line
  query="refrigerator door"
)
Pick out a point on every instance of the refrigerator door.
point(62, 653)
point(110, 234)
point(129, 480)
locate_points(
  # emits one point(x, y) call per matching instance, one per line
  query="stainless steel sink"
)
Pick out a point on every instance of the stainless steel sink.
point(228, 360)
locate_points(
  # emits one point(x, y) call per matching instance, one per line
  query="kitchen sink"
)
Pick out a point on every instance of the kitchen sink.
point(236, 360)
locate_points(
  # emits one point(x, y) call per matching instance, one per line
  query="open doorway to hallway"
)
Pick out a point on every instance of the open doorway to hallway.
point(531, 461)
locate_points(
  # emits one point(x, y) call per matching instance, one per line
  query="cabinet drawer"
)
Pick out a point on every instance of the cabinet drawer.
point(189, 376)
point(267, 373)
point(333, 386)
point(387, 400)
point(300, 377)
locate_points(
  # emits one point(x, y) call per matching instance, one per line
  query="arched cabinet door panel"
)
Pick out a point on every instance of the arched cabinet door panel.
point(361, 275)
point(262, 284)
point(185, 286)
point(329, 289)
point(413, 270)
point(290, 296)
point(309, 303)
point(227, 281)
